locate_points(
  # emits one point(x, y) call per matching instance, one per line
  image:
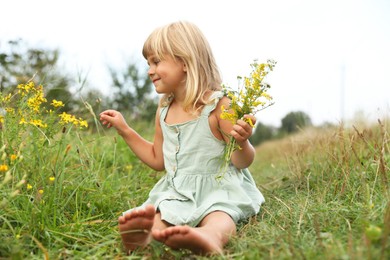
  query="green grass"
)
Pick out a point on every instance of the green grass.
point(327, 195)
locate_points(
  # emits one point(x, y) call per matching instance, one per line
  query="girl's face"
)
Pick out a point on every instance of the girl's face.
point(167, 75)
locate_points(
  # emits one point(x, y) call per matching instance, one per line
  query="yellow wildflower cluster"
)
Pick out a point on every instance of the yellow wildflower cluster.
point(35, 102)
point(252, 97)
point(248, 99)
point(57, 103)
point(66, 118)
point(24, 89)
point(33, 96)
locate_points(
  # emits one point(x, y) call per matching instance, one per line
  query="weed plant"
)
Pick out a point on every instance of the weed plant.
point(62, 189)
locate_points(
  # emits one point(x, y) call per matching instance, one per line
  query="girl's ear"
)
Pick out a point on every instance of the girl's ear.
point(184, 67)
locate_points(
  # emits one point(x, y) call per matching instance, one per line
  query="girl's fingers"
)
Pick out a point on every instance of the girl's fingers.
point(244, 125)
point(240, 134)
point(251, 119)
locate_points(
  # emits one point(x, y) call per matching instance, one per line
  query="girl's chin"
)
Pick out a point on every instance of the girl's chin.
point(159, 91)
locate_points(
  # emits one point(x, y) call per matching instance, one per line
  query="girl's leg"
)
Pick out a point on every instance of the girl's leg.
point(135, 227)
point(209, 237)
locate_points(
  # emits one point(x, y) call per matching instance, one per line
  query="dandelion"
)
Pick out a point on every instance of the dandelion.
point(52, 178)
point(40, 191)
point(29, 186)
point(13, 157)
point(249, 99)
point(3, 167)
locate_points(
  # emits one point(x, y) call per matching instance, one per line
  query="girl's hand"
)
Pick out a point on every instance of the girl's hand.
point(242, 130)
point(113, 118)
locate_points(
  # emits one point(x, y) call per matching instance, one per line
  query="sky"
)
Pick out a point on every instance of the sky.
point(333, 56)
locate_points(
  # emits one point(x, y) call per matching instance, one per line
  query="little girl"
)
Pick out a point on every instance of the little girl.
point(189, 207)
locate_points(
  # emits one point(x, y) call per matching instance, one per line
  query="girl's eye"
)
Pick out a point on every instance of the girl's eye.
point(156, 61)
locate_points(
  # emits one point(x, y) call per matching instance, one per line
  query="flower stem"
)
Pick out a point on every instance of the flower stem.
point(227, 155)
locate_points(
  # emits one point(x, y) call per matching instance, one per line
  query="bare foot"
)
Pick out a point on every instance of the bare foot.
point(198, 240)
point(135, 227)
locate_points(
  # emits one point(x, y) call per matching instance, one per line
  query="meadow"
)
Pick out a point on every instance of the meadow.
point(63, 185)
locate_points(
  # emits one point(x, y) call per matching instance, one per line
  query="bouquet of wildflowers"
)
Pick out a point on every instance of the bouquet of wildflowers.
point(251, 97)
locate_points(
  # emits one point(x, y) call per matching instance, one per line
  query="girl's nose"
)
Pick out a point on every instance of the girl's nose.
point(150, 71)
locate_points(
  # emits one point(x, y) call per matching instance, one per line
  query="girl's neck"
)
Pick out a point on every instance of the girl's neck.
point(176, 113)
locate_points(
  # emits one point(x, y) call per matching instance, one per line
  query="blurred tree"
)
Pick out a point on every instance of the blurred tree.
point(132, 92)
point(262, 133)
point(19, 64)
point(295, 120)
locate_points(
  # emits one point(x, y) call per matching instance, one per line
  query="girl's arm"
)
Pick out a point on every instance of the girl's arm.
point(241, 131)
point(149, 153)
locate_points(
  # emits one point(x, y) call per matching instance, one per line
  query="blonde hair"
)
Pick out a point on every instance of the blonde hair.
point(184, 41)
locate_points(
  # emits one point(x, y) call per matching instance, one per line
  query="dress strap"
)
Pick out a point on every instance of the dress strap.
point(214, 99)
point(163, 113)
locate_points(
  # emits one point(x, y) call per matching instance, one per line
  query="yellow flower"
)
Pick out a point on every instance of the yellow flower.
point(3, 167)
point(40, 191)
point(52, 178)
point(6, 98)
point(22, 121)
point(83, 123)
point(38, 123)
point(249, 121)
point(13, 157)
point(57, 103)
point(66, 118)
point(10, 110)
point(35, 102)
point(1, 119)
point(29, 187)
point(266, 96)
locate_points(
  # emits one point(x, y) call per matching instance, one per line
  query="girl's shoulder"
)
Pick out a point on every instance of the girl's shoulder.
point(218, 104)
point(222, 100)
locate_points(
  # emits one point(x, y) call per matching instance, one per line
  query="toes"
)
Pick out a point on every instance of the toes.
point(159, 235)
point(149, 211)
point(129, 215)
point(121, 220)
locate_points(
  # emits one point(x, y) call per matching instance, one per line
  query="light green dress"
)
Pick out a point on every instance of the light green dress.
point(190, 190)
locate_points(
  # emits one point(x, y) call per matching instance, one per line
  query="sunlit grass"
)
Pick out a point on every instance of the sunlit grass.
point(63, 188)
